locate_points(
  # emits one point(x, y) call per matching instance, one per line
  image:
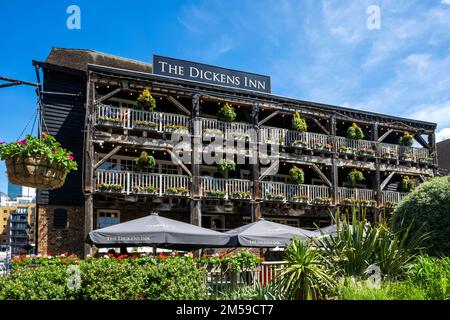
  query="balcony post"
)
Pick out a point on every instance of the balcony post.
point(196, 147)
point(256, 196)
point(334, 181)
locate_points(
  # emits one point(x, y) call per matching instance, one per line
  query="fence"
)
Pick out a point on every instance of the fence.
point(293, 192)
point(225, 188)
point(355, 194)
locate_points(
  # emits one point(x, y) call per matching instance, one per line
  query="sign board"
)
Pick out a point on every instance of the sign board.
point(200, 72)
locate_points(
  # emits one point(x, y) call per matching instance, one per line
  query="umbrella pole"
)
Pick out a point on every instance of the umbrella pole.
point(154, 251)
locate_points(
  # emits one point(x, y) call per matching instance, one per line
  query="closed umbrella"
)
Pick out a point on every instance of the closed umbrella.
point(266, 234)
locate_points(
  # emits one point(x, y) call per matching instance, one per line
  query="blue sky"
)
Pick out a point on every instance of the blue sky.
point(313, 50)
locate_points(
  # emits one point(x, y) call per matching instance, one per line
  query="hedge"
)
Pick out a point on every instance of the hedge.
point(108, 279)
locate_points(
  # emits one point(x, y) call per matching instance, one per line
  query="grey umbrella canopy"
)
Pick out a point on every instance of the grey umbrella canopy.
point(158, 231)
point(266, 234)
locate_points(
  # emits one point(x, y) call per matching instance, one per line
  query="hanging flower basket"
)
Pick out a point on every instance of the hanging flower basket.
point(37, 163)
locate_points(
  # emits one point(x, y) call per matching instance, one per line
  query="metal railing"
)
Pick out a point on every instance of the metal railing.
point(292, 192)
point(225, 188)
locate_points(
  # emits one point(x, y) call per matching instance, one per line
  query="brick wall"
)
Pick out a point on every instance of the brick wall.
point(56, 240)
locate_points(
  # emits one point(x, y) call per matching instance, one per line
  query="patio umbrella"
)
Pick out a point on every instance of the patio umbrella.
point(157, 231)
point(266, 234)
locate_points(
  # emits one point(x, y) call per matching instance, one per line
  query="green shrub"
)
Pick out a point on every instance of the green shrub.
point(298, 123)
point(427, 210)
point(354, 132)
point(407, 139)
point(296, 175)
point(254, 292)
point(226, 113)
point(145, 101)
point(112, 279)
point(406, 185)
point(144, 161)
point(227, 165)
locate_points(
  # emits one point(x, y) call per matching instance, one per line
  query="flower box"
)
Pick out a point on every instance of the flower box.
point(107, 187)
point(277, 197)
point(110, 121)
point(323, 147)
point(241, 195)
point(238, 135)
point(426, 160)
point(145, 190)
point(176, 127)
point(177, 191)
point(321, 201)
point(215, 193)
point(301, 199)
point(300, 144)
point(145, 125)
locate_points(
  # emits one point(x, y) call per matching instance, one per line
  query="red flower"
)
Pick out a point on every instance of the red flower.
point(44, 135)
point(22, 141)
point(70, 157)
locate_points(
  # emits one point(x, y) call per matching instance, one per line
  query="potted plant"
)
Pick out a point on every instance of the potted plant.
point(241, 195)
point(298, 123)
point(319, 146)
point(144, 161)
point(109, 121)
point(226, 165)
point(176, 127)
point(426, 160)
point(145, 190)
point(212, 132)
point(109, 187)
point(37, 162)
point(275, 196)
point(145, 101)
point(300, 144)
point(406, 185)
point(354, 132)
point(215, 193)
point(296, 175)
point(407, 156)
point(180, 191)
point(353, 177)
point(226, 113)
point(322, 201)
point(407, 140)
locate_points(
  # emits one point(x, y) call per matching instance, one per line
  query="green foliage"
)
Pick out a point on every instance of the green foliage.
point(354, 132)
point(144, 161)
point(254, 292)
point(354, 177)
point(298, 123)
point(349, 289)
point(305, 276)
point(145, 101)
point(357, 245)
point(427, 210)
point(45, 147)
point(432, 275)
point(296, 175)
point(227, 113)
point(112, 279)
point(406, 185)
point(227, 165)
point(407, 139)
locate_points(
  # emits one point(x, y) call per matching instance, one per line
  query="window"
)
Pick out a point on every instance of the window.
point(287, 221)
point(126, 165)
point(169, 169)
point(110, 164)
point(60, 218)
point(107, 218)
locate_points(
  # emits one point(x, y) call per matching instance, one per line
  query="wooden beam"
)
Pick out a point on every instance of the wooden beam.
point(107, 96)
point(385, 135)
point(269, 169)
point(270, 116)
point(179, 162)
point(178, 105)
point(385, 181)
point(321, 126)
point(422, 141)
point(321, 175)
point(109, 155)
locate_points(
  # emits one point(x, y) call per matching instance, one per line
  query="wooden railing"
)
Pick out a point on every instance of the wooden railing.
point(225, 188)
point(228, 130)
point(129, 118)
point(219, 281)
point(127, 182)
point(392, 197)
point(357, 147)
point(409, 154)
point(355, 194)
point(285, 137)
point(292, 192)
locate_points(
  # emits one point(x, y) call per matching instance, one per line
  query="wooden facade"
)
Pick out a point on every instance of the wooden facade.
point(106, 132)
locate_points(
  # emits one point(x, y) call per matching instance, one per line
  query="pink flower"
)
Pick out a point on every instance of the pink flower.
point(70, 157)
point(2, 142)
point(22, 141)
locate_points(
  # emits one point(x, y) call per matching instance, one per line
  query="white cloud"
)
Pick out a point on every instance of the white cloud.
point(445, 2)
point(443, 134)
point(433, 113)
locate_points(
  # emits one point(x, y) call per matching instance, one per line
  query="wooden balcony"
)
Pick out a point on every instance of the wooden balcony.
point(304, 140)
point(227, 130)
point(391, 198)
point(406, 154)
point(126, 182)
point(225, 188)
point(365, 148)
point(128, 118)
point(306, 194)
point(354, 196)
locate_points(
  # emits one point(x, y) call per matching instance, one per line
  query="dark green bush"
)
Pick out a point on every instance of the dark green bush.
point(173, 278)
point(427, 210)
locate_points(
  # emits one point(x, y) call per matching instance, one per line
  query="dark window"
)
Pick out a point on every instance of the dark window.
point(60, 218)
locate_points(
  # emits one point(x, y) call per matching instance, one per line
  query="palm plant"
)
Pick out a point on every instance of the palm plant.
point(305, 276)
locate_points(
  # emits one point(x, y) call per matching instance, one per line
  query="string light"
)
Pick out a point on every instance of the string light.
point(131, 93)
point(107, 86)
